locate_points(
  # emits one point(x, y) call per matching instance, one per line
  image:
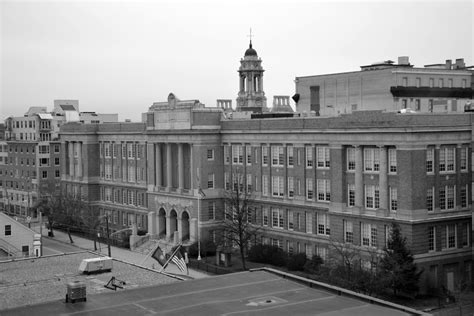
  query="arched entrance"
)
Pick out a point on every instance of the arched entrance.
point(161, 223)
point(185, 226)
point(173, 222)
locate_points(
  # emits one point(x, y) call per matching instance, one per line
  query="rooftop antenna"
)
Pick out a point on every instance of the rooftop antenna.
point(250, 37)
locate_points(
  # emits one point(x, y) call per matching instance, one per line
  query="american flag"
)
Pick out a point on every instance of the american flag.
point(178, 259)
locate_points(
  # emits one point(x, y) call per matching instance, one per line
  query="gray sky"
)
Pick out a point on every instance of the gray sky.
point(120, 57)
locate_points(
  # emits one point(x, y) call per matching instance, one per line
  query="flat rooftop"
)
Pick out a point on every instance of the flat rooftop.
point(247, 293)
point(38, 280)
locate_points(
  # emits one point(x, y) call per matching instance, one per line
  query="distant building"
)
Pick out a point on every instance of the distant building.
point(440, 88)
point(17, 240)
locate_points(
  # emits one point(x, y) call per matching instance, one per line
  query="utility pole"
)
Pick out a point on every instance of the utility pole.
point(108, 234)
point(41, 232)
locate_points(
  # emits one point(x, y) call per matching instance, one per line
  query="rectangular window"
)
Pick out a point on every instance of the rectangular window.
point(431, 238)
point(431, 82)
point(450, 83)
point(290, 156)
point(365, 234)
point(265, 216)
point(442, 198)
point(393, 199)
point(226, 154)
point(309, 157)
point(463, 159)
point(107, 150)
point(351, 194)
point(430, 160)
point(323, 224)
point(447, 197)
point(277, 218)
point(465, 234)
point(372, 197)
point(392, 160)
point(323, 157)
point(265, 185)
point(210, 154)
point(371, 159)
point(210, 181)
point(324, 190)
point(429, 199)
point(446, 159)
point(451, 240)
point(237, 155)
point(248, 154)
point(348, 232)
point(351, 164)
point(440, 82)
point(278, 186)
point(309, 189)
point(309, 223)
point(290, 219)
point(405, 81)
point(277, 156)
point(418, 82)
point(249, 183)
point(8, 230)
point(463, 196)
point(211, 210)
point(264, 156)
point(291, 187)
point(417, 105)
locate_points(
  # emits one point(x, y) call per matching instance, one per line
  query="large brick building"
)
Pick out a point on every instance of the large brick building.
point(315, 181)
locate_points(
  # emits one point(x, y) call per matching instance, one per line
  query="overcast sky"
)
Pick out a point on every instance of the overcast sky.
point(120, 57)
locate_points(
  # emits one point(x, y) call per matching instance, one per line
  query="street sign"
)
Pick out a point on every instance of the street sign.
point(28, 219)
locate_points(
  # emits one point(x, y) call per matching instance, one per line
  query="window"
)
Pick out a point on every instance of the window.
point(57, 173)
point(309, 189)
point(371, 159)
point(372, 197)
point(248, 154)
point(290, 219)
point(277, 186)
point(430, 160)
point(447, 197)
point(429, 199)
point(44, 174)
point(405, 81)
point(351, 194)
point(404, 103)
point(465, 234)
point(348, 232)
point(56, 161)
point(463, 159)
point(210, 154)
point(277, 218)
point(463, 196)
point(418, 82)
point(322, 252)
point(265, 216)
point(451, 240)
point(446, 159)
point(249, 183)
point(308, 251)
point(107, 150)
point(368, 234)
point(131, 173)
point(351, 159)
point(277, 156)
point(450, 83)
point(417, 105)
point(309, 157)
point(323, 157)
point(226, 154)
point(226, 181)
point(323, 224)
point(440, 82)
point(463, 83)
point(56, 148)
point(211, 210)
point(8, 230)
point(309, 223)
point(124, 219)
point(265, 185)
point(431, 82)
point(393, 199)
point(392, 160)
point(431, 238)
point(210, 181)
point(264, 155)
point(237, 154)
point(290, 156)
point(324, 190)
point(291, 187)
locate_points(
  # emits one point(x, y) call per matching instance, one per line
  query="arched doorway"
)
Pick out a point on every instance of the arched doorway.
point(173, 222)
point(161, 223)
point(185, 225)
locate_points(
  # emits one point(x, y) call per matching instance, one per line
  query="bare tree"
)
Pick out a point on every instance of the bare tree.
point(90, 220)
point(346, 254)
point(238, 224)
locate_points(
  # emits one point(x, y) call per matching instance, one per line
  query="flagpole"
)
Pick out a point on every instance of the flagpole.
point(169, 259)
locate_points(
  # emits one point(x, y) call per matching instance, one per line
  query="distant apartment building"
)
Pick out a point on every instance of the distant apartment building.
point(440, 88)
point(17, 240)
point(30, 154)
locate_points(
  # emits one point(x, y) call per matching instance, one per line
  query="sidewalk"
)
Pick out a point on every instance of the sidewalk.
point(117, 253)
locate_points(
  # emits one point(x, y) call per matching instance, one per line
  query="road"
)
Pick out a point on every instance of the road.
point(51, 247)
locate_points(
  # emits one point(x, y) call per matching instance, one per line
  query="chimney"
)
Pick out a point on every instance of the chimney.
point(449, 64)
point(403, 60)
point(460, 63)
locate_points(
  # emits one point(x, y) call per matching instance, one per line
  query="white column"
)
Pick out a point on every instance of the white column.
point(79, 159)
point(169, 167)
point(180, 166)
point(168, 227)
point(70, 148)
point(158, 165)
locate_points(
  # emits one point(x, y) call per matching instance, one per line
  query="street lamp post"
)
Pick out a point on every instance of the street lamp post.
point(108, 234)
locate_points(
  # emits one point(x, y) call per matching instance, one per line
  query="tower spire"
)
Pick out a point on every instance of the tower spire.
point(250, 35)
